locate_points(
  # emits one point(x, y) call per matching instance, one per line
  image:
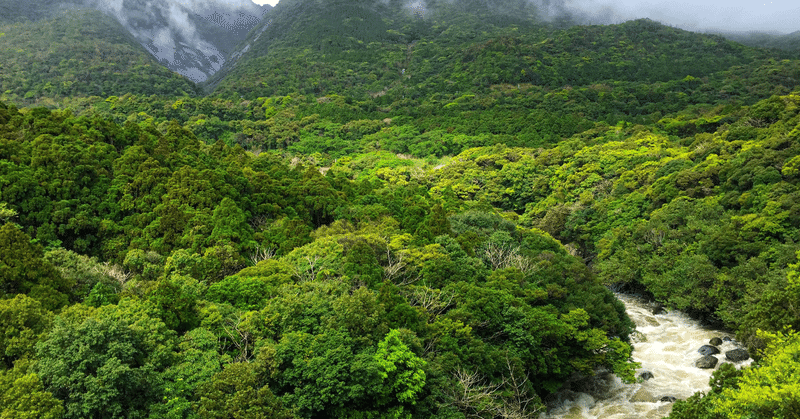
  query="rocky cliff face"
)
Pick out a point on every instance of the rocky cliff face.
point(190, 37)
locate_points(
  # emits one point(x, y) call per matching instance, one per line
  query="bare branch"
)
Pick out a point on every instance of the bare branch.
point(434, 301)
point(261, 254)
point(395, 266)
point(398, 268)
point(471, 395)
point(505, 256)
point(477, 399)
point(309, 271)
point(521, 403)
point(115, 271)
point(241, 339)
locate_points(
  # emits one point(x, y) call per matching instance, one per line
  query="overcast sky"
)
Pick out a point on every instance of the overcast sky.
point(737, 15)
point(732, 15)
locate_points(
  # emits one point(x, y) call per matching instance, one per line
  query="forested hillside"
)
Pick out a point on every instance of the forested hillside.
point(78, 53)
point(377, 210)
point(207, 273)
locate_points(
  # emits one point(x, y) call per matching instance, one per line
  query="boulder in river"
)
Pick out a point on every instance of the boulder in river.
point(715, 341)
point(737, 355)
point(707, 361)
point(668, 399)
point(708, 350)
point(642, 395)
point(657, 308)
point(645, 375)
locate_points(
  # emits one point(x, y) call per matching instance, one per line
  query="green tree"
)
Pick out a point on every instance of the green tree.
point(24, 323)
point(6, 214)
point(402, 371)
point(196, 362)
point(23, 270)
point(230, 225)
point(22, 396)
point(771, 390)
point(361, 264)
point(239, 392)
point(105, 363)
point(175, 298)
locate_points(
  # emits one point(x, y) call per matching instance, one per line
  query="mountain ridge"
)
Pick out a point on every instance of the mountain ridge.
point(191, 38)
point(81, 52)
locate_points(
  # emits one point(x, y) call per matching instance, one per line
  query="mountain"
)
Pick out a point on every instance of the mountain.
point(392, 50)
point(788, 42)
point(80, 52)
point(192, 38)
point(382, 209)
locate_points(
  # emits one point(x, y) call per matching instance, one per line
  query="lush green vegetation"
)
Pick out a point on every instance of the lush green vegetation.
point(381, 212)
point(788, 42)
point(78, 53)
point(232, 282)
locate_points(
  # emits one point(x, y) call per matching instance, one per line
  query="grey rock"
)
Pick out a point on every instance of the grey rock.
point(708, 350)
point(642, 395)
point(707, 361)
point(645, 375)
point(668, 399)
point(715, 341)
point(737, 355)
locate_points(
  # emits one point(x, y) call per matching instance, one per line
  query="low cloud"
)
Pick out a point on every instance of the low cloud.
point(170, 30)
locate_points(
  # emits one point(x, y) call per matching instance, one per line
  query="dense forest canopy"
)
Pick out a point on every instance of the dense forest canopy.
point(381, 211)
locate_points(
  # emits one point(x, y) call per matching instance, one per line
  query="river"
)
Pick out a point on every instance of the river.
point(666, 345)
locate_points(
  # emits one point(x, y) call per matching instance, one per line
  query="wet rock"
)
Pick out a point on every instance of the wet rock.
point(715, 341)
point(707, 361)
point(668, 399)
point(708, 350)
point(642, 396)
point(561, 397)
point(737, 355)
point(645, 375)
point(727, 339)
point(657, 308)
point(637, 337)
point(651, 321)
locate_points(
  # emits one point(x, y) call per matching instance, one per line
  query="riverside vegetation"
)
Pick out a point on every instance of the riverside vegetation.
point(384, 212)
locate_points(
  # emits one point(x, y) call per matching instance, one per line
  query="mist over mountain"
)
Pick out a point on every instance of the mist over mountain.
point(190, 37)
point(384, 208)
point(788, 42)
point(79, 53)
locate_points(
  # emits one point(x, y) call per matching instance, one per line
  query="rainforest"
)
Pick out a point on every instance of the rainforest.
point(381, 211)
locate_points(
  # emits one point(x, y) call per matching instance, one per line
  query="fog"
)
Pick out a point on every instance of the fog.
point(177, 32)
point(776, 16)
point(781, 16)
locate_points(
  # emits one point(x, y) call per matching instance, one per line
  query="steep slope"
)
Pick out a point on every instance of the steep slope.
point(375, 48)
point(192, 38)
point(79, 53)
point(19, 11)
point(788, 42)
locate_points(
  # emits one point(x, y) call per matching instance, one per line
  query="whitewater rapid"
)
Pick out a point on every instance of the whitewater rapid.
point(666, 345)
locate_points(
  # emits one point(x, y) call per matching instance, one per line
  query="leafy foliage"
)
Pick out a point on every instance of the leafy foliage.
point(382, 212)
point(79, 53)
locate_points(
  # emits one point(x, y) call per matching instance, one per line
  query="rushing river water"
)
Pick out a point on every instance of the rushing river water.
point(667, 347)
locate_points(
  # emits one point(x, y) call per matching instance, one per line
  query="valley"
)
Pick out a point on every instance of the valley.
point(372, 209)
